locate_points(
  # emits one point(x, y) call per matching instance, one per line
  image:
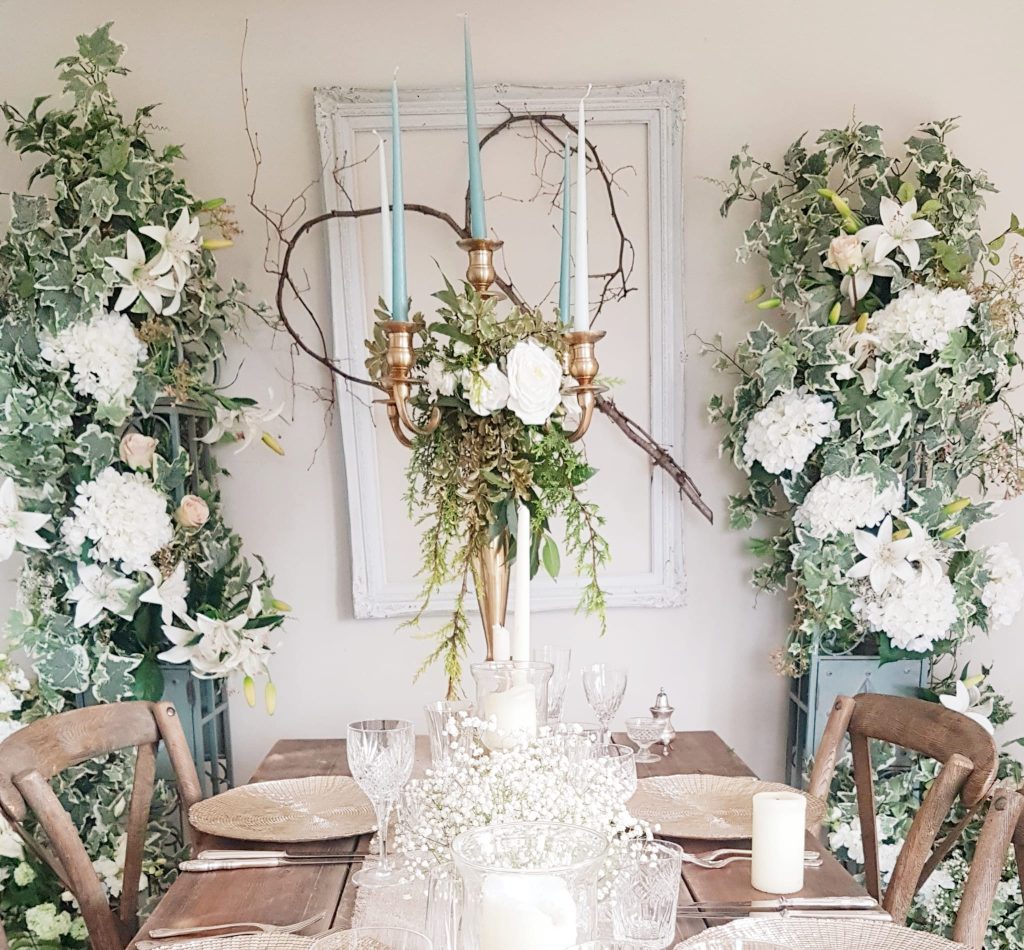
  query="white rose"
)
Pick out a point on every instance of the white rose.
point(461, 349)
point(534, 381)
point(439, 380)
point(845, 253)
point(486, 389)
point(193, 512)
point(137, 450)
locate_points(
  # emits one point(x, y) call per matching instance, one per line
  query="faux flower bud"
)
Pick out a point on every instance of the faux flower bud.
point(212, 204)
point(974, 681)
point(955, 507)
point(862, 322)
point(770, 304)
point(137, 451)
point(754, 294)
point(951, 532)
point(216, 244)
point(249, 689)
point(271, 443)
point(270, 698)
point(833, 314)
point(901, 534)
point(841, 206)
point(280, 606)
point(193, 512)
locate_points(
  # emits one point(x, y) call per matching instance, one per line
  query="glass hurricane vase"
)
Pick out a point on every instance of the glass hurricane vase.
point(530, 884)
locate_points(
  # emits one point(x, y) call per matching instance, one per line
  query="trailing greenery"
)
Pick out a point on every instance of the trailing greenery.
point(112, 318)
point(861, 414)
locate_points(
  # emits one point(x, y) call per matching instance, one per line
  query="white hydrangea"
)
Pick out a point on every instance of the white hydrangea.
point(123, 516)
point(914, 613)
point(783, 434)
point(840, 503)
point(46, 923)
point(103, 353)
point(1004, 592)
point(921, 319)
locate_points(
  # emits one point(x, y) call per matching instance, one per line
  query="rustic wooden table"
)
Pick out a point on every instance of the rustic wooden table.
point(285, 895)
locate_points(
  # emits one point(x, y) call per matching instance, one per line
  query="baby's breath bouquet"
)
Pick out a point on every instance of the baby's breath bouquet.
point(499, 381)
point(543, 779)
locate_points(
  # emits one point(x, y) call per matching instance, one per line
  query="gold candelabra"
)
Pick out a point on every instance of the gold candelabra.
point(491, 565)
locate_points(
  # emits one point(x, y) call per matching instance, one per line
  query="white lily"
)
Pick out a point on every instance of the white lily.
point(168, 593)
point(178, 245)
point(967, 701)
point(217, 647)
point(98, 589)
point(17, 526)
point(857, 283)
point(883, 558)
point(245, 424)
point(255, 605)
point(899, 229)
point(143, 277)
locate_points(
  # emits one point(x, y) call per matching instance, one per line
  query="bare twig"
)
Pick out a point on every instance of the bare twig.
point(286, 229)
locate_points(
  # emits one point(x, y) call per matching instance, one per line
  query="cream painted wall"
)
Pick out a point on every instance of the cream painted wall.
point(757, 73)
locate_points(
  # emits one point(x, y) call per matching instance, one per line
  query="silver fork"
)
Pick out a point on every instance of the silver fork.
point(722, 857)
point(249, 926)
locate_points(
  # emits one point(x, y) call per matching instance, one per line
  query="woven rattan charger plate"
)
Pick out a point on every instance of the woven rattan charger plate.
point(294, 809)
point(847, 933)
point(707, 807)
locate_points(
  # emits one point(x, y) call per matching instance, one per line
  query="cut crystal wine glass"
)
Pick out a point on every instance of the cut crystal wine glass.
point(380, 758)
point(604, 687)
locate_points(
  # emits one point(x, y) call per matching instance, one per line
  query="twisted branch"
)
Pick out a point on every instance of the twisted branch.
point(286, 230)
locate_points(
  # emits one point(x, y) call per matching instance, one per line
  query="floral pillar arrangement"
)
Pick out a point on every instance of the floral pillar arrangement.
point(112, 323)
point(490, 400)
point(870, 400)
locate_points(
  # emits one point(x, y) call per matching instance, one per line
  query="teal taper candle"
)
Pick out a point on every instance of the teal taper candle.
point(399, 288)
point(563, 274)
point(477, 215)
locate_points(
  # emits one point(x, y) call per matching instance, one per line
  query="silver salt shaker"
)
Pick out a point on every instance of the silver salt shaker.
point(662, 711)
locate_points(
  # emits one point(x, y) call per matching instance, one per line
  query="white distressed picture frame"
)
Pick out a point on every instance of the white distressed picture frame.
point(342, 113)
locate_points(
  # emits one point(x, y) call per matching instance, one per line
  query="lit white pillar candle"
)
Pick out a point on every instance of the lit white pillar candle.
point(779, 835)
point(519, 911)
point(521, 628)
point(581, 315)
point(385, 225)
point(514, 715)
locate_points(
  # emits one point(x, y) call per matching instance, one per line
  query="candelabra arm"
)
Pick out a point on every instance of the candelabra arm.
point(396, 425)
point(401, 404)
point(583, 367)
point(587, 399)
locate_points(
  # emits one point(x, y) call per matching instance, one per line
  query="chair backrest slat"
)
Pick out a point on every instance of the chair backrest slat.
point(969, 760)
point(31, 757)
point(1004, 816)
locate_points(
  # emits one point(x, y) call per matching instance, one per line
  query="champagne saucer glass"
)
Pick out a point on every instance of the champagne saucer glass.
point(644, 731)
point(380, 758)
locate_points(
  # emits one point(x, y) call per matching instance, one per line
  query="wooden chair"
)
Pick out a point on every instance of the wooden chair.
point(3, 937)
point(1003, 823)
point(969, 761)
point(32, 756)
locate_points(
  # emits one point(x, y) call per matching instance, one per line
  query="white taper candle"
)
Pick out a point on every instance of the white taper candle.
point(385, 224)
point(521, 628)
point(777, 845)
point(581, 315)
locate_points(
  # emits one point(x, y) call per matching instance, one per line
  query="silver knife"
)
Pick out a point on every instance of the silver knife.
point(238, 860)
point(785, 903)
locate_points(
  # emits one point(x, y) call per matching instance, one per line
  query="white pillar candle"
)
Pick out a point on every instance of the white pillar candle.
point(521, 628)
point(519, 911)
point(779, 836)
point(581, 316)
point(385, 225)
point(513, 713)
point(502, 643)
